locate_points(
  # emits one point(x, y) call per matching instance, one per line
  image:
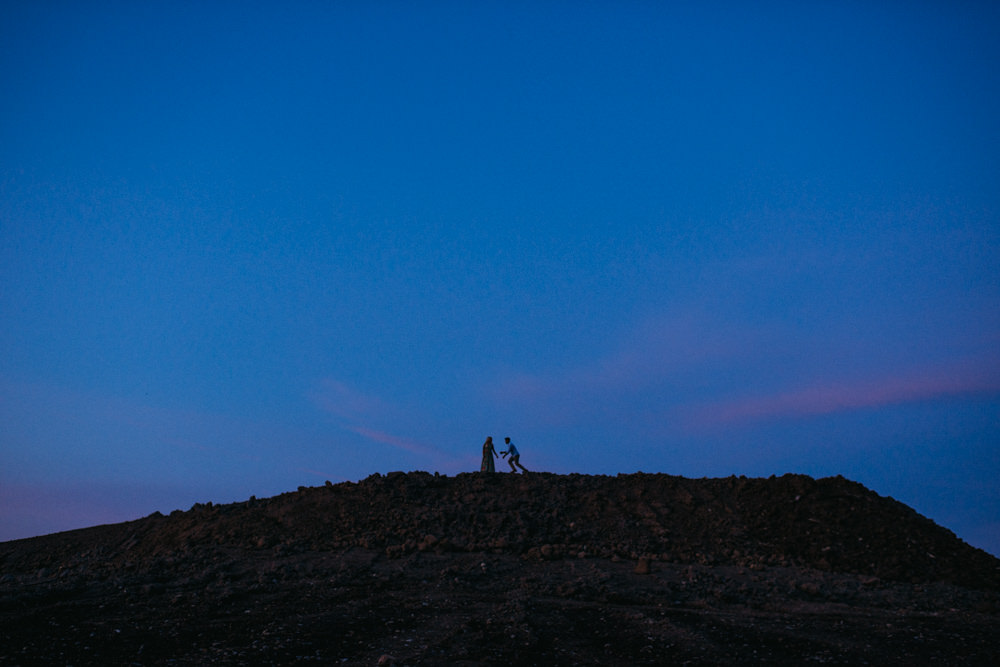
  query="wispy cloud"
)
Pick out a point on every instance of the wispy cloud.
point(700, 372)
point(830, 397)
point(394, 441)
point(342, 400)
point(659, 350)
point(74, 434)
point(367, 416)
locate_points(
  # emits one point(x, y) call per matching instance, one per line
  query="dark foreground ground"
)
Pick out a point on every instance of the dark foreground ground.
point(416, 569)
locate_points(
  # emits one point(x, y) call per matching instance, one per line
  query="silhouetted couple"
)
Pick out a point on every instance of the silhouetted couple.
point(489, 453)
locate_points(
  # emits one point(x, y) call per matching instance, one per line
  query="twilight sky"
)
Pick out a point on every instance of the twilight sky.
point(251, 246)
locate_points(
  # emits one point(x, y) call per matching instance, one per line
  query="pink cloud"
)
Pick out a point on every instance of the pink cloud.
point(364, 415)
point(839, 397)
point(434, 456)
point(391, 440)
point(657, 350)
point(344, 401)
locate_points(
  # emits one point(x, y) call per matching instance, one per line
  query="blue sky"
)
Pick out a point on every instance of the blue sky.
point(251, 246)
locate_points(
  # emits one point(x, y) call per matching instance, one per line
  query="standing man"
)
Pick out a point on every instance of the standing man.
point(515, 456)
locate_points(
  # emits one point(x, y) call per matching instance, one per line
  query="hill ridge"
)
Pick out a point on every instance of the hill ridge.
point(830, 524)
point(483, 569)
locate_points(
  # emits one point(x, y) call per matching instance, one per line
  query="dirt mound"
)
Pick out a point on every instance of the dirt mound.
point(829, 524)
point(623, 570)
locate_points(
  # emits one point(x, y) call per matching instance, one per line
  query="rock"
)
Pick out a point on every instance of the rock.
point(809, 587)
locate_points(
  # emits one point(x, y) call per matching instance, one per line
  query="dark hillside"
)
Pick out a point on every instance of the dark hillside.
point(828, 524)
point(456, 547)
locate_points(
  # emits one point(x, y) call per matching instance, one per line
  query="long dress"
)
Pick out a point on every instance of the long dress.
point(488, 454)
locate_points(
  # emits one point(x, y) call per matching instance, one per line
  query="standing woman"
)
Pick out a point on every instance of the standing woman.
point(489, 453)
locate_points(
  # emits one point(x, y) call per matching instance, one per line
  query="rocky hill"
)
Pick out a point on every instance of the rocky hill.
point(419, 568)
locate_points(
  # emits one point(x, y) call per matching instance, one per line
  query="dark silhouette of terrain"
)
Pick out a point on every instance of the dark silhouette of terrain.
point(422, 569)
